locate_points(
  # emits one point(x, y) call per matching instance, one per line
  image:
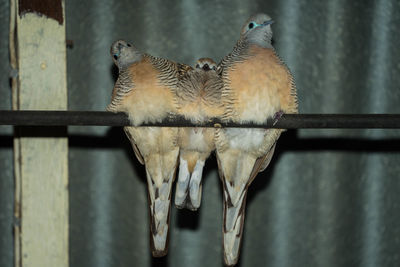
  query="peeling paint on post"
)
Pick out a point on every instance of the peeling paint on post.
point(49, 8)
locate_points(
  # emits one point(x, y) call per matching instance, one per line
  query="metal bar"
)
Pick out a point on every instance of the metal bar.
point(287, 121)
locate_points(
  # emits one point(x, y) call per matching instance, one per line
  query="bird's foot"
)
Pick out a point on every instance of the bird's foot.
point(276, 117)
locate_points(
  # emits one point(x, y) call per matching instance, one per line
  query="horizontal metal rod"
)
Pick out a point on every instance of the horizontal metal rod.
point(287, 121)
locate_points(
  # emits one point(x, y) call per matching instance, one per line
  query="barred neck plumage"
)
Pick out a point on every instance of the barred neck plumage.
point(125, 81)
point(168, 70)
point(170, 73)
point(238, 53)
point(122, 87)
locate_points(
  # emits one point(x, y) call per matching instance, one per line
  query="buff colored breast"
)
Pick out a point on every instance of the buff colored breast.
point(260, 86)
point(150, 100)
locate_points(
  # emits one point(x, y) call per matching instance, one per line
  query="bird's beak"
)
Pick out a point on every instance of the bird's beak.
point(268, 22)
point(206, 67)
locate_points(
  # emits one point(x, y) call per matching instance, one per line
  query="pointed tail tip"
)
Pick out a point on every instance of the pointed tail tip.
point(233, 229)
point(159, 228)
point(230, 260)
point(159, 245)
point(159, 253)
point(232, 244)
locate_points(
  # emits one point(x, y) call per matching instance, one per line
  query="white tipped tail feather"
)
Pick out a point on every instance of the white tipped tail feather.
point(160, 208)
point(189, 186)
point(233, 227)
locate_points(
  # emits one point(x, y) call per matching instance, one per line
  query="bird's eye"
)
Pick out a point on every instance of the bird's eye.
point(115, 57)
point(128, 44)
point(251, 25)
point(197, 66)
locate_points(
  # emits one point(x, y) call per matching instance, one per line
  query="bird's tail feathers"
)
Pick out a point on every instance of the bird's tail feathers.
point(182, 184)
point(234, 213)
point(195, 185)
point(160, 208)
point(189, 185)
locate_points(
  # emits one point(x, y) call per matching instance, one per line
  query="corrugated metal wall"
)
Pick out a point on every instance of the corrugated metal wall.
point(329, 198)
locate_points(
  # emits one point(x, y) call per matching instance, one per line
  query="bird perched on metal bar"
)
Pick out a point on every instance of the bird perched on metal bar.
point(199, 99)
point(257, 86)
point(145, 90)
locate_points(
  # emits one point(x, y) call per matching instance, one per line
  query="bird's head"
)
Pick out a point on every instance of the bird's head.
point(206, 64)
point(257, 30)
point(124, 53)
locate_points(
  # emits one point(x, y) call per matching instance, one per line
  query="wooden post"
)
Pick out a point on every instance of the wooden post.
point(41, 154)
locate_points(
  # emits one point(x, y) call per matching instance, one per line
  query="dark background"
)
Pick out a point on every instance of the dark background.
point(329, 197)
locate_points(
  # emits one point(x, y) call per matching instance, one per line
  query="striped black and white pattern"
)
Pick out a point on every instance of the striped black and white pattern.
point(123, 86)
